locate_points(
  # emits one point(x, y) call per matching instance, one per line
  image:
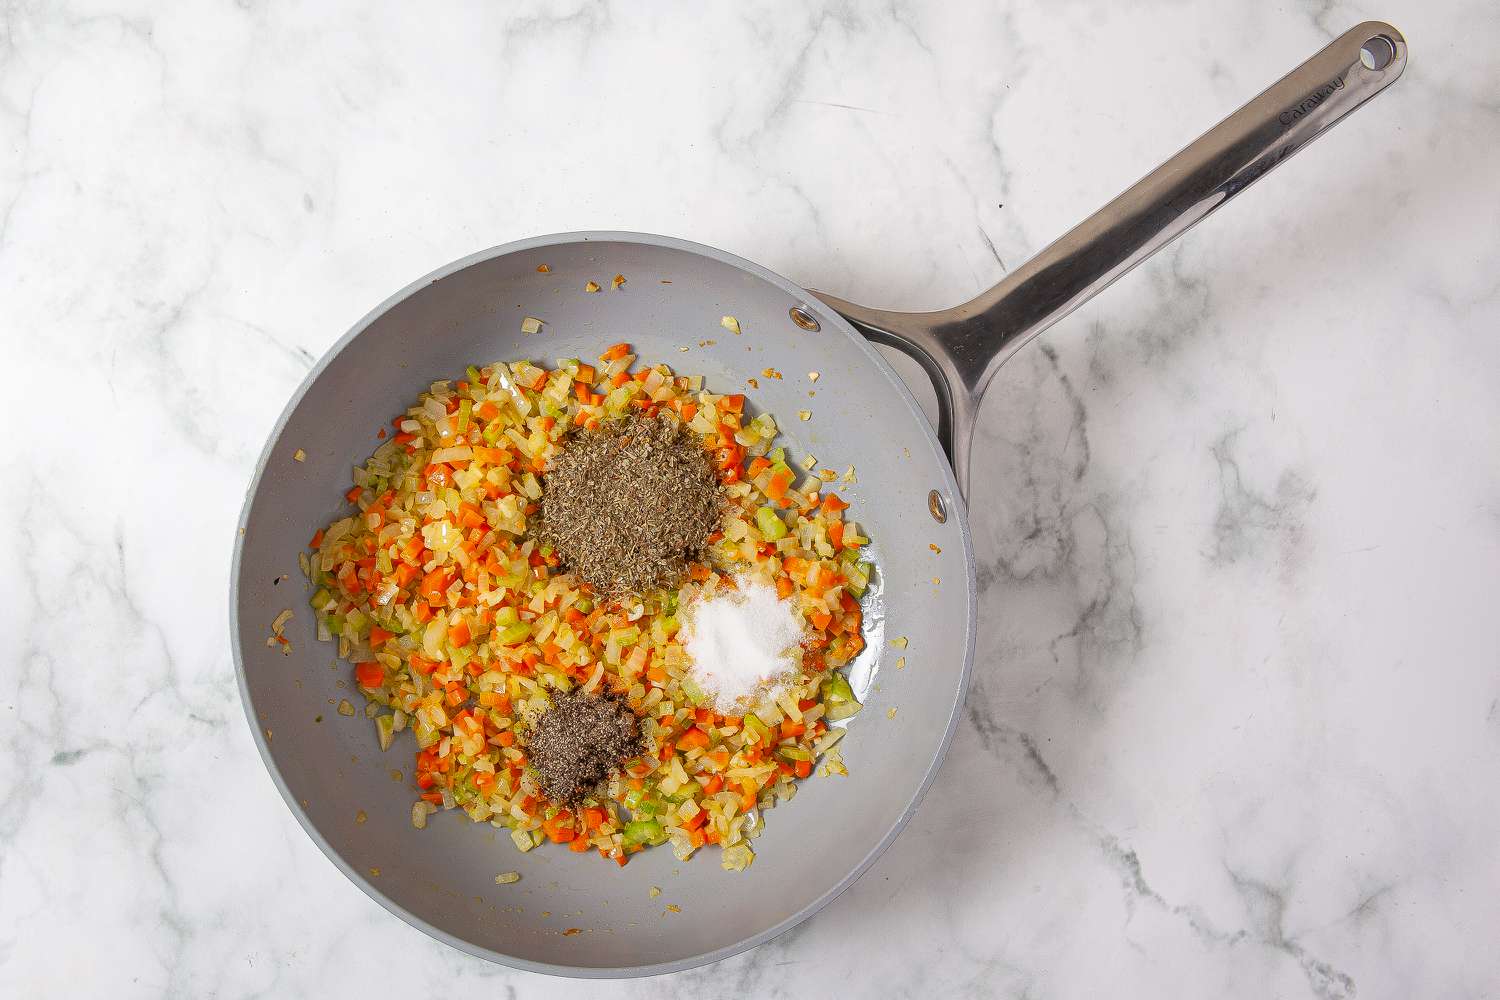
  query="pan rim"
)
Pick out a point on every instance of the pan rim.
point(958, 512)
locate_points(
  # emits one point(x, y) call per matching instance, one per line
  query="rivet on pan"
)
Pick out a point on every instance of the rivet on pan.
point(803, 319)
point(936, 507)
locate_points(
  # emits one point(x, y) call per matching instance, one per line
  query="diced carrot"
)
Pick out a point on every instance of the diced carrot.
point(593, 818)
point(748, 794)
point(369, 674)
point(694, 737)
point(484, 781)
point(378, 636)
point(734, 403)
point(317, 539)
point(585, 373)
point(791, 730)
point(435, 585)
point(688, 411)
point(803, 768)
point(422, 664)
point(836, 535)
point(353, 494)
point(714, 784)
point(620, 379)
point(559, 829)
point(435, 798)
point(615, 352)
point(696, 820)
point(405, 574)
point(832, 504)
point(458, 633)
point(820, 620)
point(422, 612)
point(783, 587)
point(777, 487)
point(506, 738)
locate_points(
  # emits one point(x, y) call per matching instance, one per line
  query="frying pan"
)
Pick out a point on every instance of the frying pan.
point(572, 914)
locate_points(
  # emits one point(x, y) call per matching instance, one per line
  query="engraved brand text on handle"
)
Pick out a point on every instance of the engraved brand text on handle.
point(1317, 97)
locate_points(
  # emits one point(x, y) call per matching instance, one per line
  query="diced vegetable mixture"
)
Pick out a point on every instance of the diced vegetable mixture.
point(459, 625)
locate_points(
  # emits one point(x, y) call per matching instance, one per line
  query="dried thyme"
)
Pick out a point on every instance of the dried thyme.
point(628, 507)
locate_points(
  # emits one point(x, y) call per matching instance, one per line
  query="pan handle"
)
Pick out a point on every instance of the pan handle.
point(962, 348)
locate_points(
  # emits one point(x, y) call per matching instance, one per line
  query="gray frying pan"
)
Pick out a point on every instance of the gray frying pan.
point(574, 915)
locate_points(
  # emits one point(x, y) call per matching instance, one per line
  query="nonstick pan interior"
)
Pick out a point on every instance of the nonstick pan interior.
point(442, 879)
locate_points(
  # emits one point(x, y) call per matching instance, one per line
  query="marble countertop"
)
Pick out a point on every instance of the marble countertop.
point(1235, 719)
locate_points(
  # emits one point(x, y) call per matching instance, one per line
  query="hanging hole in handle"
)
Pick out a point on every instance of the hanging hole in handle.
point(1377, 53)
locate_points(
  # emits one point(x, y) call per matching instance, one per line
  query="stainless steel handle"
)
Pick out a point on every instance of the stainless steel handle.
point(962, 348)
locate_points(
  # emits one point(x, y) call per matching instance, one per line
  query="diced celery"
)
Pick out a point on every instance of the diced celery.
point(759, 728)
point(643, 831)
point(772, 527)
point(385, 729)
point(321, 600)
point(793, 753)
point(837, 690)
point(474, 377)
point(859, 577)
point(693, 690)
point(506, 615)
point(522, 839)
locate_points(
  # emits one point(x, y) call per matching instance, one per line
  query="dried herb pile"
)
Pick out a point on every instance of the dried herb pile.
point(629, 506)
point(576, 743)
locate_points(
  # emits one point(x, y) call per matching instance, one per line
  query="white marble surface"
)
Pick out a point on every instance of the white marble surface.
point(1234, 727)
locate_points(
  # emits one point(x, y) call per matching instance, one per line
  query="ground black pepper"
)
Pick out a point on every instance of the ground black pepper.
point(628, 507)
point(579, 741)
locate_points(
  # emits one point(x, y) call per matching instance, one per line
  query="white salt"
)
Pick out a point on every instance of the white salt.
point(740, 641)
